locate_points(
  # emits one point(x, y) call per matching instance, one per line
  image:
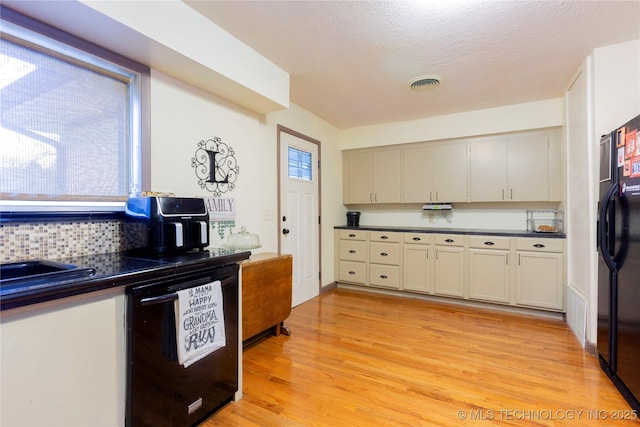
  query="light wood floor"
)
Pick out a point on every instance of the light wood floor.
point(361, 359)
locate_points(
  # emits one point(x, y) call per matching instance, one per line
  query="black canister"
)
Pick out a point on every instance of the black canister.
point(353, 219)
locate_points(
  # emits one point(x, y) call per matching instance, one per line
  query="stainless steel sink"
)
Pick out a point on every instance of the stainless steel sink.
point(39, 271)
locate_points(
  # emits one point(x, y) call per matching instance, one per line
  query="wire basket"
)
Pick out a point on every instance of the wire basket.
point(545, 220)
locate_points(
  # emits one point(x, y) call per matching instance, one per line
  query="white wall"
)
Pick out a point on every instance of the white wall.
point(182, 115)
point(482, 216)
point(580, 182)
point(509, 118)
point(201, 43)
point(616, 85)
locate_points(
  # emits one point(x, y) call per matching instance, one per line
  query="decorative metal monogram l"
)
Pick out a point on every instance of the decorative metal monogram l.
point(216, 166)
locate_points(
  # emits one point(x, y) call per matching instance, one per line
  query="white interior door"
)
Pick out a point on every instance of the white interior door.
point(299, 218)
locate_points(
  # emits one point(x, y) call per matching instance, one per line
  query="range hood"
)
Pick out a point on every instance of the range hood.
point(437, 207)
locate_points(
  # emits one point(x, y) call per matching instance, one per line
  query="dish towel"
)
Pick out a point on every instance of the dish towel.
point(199, 322)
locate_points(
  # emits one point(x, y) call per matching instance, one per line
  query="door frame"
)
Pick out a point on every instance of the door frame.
point(282, 129)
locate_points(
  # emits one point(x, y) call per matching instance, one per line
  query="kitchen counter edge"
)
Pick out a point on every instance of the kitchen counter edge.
point(470, 232)
point(149, 270)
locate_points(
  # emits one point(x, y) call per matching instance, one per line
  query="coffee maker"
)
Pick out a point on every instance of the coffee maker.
point(353, 219)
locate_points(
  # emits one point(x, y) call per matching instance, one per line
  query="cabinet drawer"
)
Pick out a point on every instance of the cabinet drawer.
point(449, 239)
point(384, 236)
point(384, 253)
point(417, 238)
point(353, 235)
point(352, 272)
point(489, 242)
point(384, 275)
point(540, 245)
point(353, 250)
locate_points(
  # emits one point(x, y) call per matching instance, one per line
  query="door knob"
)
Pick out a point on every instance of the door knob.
point(285, 231)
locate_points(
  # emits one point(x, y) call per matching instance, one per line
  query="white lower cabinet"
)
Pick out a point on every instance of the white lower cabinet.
point(417, 262)
point(449, 265)
point(540, 273)
point(384, 259)
point(489, 269)
point(518, 271)
point(489, 275)
point(449, 271)
point(387, 276)
point(352, 256)
point(355, 272)
point(64, 362)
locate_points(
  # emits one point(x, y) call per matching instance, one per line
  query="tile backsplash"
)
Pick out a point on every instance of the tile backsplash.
point(56, 240)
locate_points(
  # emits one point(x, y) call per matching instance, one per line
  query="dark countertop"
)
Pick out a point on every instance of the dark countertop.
point(471, 232)
point(114, 270)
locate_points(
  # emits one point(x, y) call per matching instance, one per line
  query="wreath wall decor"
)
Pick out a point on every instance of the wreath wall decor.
point(216, 166)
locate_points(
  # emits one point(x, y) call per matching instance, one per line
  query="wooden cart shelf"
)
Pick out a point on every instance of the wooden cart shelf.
point(266, 293)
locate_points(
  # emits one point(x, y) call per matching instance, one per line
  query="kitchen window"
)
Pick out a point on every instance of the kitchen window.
point(72, 121)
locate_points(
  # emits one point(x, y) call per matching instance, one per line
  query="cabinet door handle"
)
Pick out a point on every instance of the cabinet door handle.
point(507, 262)
point(384, 237)
point(437, 195)
point(489, 243)
point(538, 245)
point(503, 194)
point(449, 240)
point(352, 235)
point(376, 197)
point(512, 194)
point(352, 272)
point(384, 276)
point(416, 239)
point(352, 251)
point(371, 197)
point(384, 254)
point(431, 196)
point(519, 259)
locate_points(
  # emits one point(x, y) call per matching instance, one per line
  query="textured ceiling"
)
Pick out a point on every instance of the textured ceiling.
point(350, 61)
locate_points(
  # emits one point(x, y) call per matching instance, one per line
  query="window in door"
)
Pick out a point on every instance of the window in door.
point(299, 164)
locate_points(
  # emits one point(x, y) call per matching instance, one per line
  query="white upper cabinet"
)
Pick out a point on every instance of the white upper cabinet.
point(372, 177)
point(556, 160)
point(528, 173)
point(519, 168)
point(387, 176)
point(417, 174)
point(488, 170)
point(435, 173)
point(450, 175)
point(358, 175)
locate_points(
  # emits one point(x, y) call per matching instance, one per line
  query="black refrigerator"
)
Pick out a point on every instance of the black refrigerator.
point(618, 235)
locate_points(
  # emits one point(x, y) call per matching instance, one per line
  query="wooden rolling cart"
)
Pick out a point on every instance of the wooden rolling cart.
point(266, 294)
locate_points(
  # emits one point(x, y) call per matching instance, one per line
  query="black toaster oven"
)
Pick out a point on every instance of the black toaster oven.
point(166, 224)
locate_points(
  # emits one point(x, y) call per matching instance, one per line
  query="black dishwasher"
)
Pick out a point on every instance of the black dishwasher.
point(160, 391)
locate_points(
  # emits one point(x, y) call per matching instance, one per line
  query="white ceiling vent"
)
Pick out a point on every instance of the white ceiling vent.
point(425, 82)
